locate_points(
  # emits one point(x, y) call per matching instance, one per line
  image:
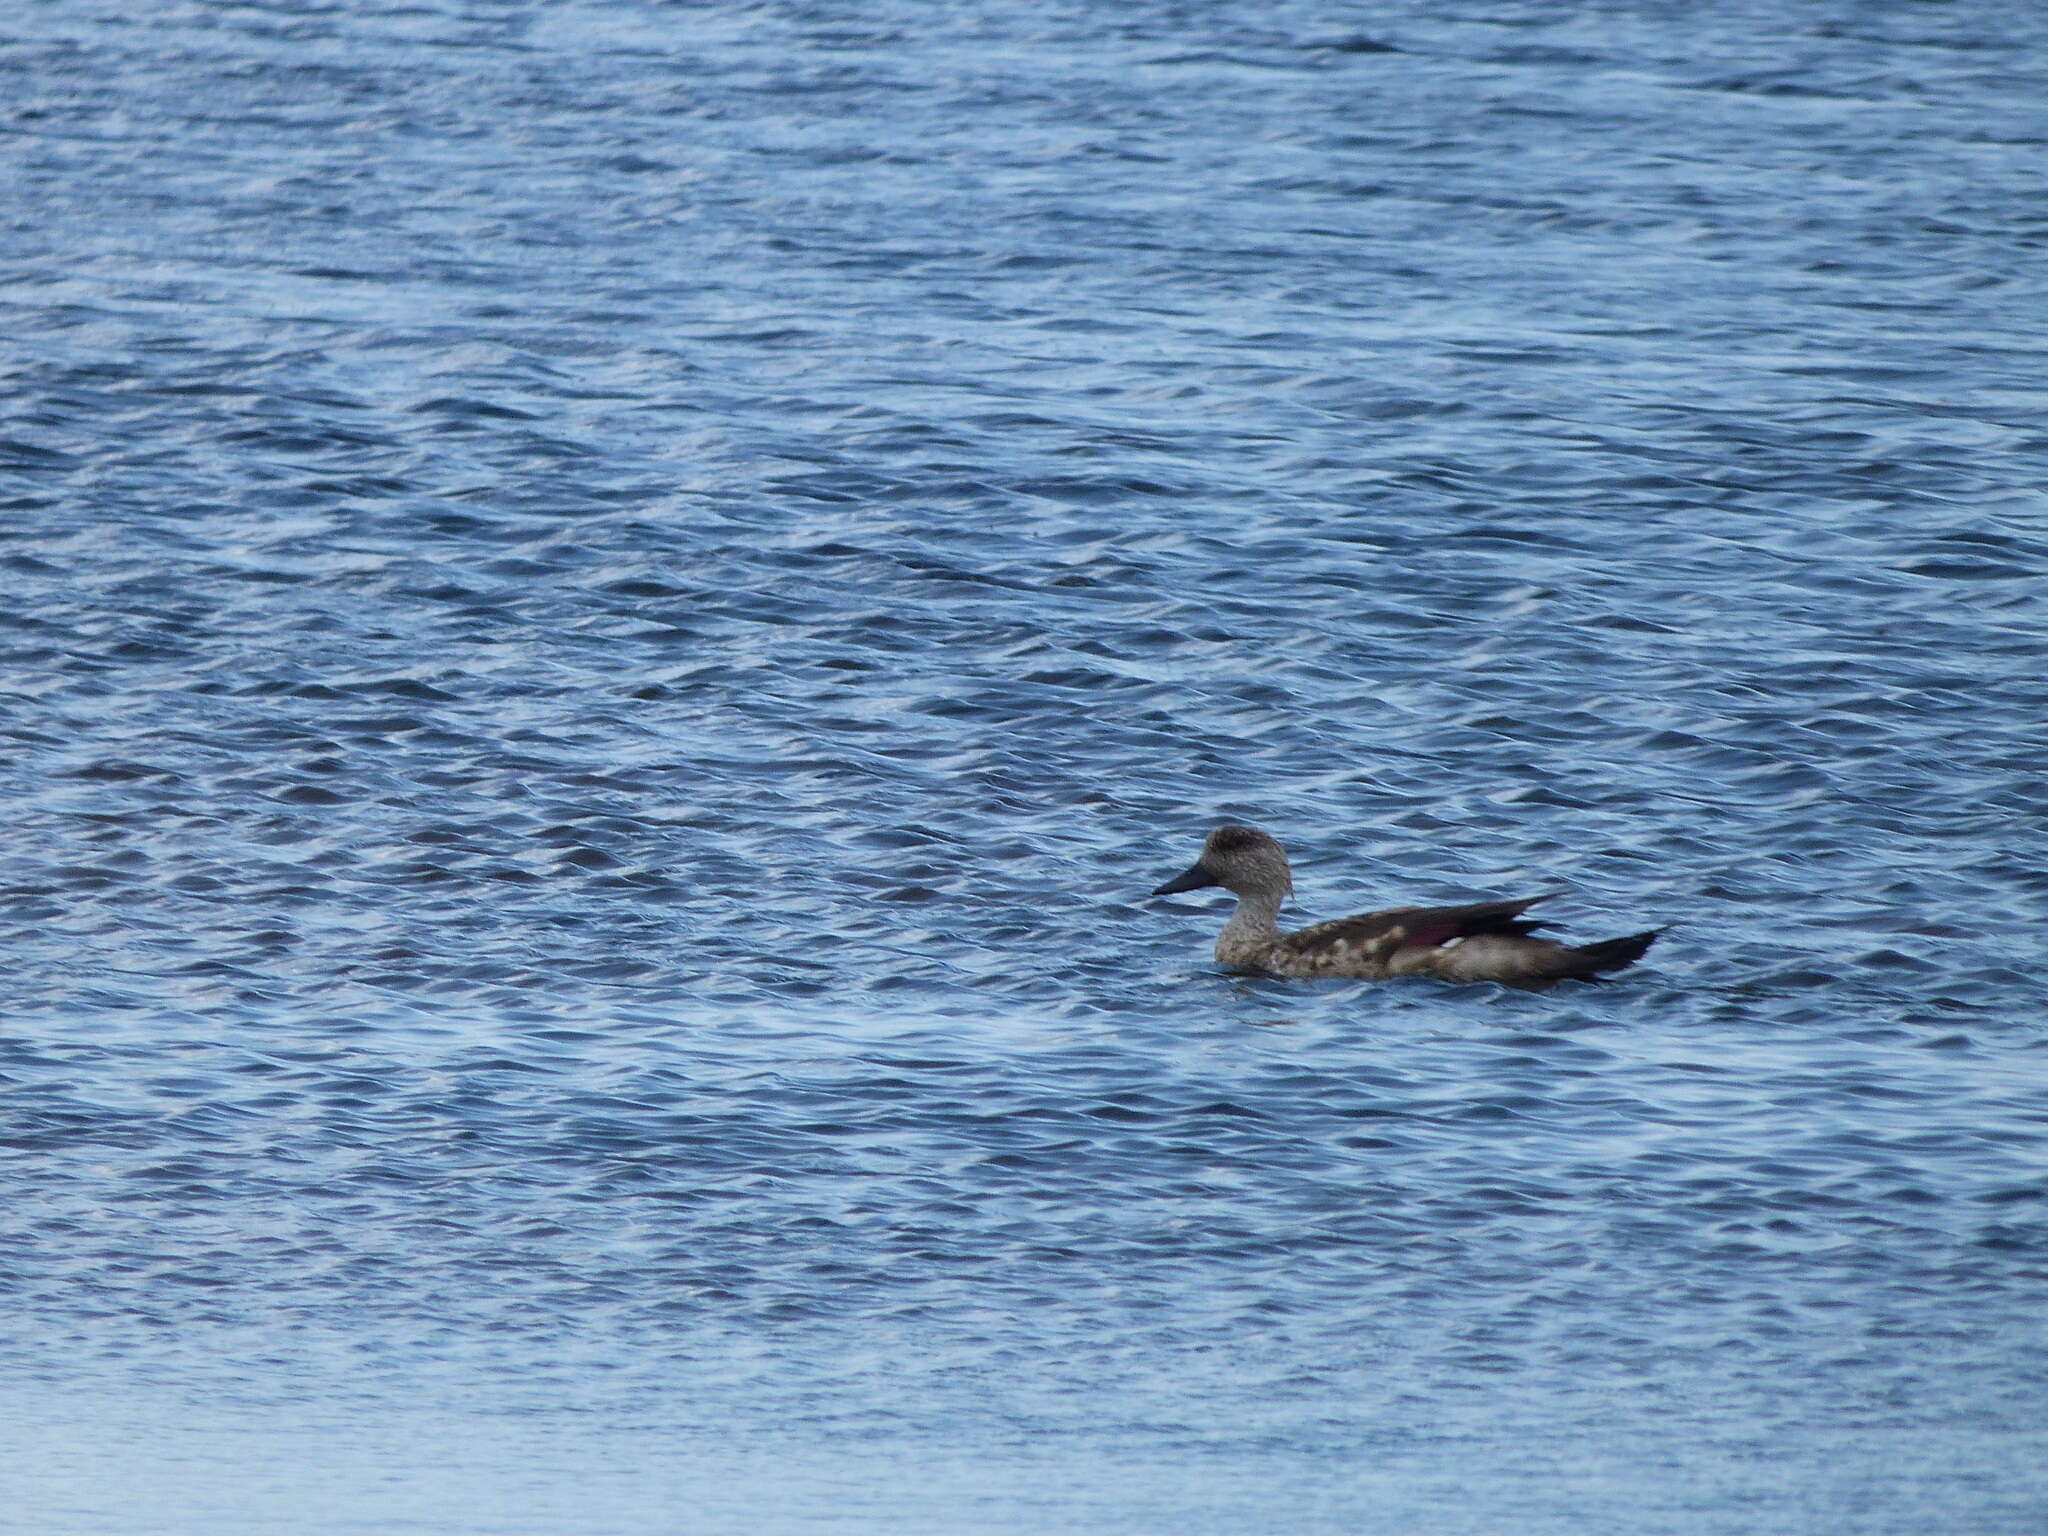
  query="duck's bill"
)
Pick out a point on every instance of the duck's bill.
point(1193, 880)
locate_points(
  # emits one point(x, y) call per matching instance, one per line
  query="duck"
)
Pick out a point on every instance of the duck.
point(1486, 941)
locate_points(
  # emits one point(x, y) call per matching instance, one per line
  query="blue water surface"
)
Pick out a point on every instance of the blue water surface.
point(610, 606)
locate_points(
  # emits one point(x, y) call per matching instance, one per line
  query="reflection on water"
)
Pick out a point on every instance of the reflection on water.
point(610, 609)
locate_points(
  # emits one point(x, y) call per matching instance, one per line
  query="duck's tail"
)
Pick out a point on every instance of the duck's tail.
point(1590, 961)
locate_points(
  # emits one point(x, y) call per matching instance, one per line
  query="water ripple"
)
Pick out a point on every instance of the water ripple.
point(610, 611)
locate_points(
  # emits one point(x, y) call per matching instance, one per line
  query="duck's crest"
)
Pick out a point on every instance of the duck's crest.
point(1235, 839)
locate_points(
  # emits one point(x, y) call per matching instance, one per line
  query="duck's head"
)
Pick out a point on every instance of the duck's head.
point(1240, 859)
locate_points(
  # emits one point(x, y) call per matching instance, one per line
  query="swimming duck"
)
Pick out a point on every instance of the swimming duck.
point(1488, 941)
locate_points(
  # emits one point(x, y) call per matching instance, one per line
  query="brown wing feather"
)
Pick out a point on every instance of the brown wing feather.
point(1418, 926)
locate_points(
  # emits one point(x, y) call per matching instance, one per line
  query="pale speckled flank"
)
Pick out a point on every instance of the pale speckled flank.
point(1483, 941)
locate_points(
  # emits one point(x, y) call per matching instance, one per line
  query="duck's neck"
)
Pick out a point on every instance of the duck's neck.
point(1252, 925)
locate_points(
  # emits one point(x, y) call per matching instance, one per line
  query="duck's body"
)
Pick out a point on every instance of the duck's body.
point(1487, 941)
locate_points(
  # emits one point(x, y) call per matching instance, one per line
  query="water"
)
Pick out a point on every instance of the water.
point(611, 606)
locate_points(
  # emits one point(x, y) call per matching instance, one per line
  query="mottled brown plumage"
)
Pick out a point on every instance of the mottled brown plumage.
point(1485, 941)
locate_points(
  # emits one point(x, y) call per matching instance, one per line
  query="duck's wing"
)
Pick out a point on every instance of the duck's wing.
point(1382, 933)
